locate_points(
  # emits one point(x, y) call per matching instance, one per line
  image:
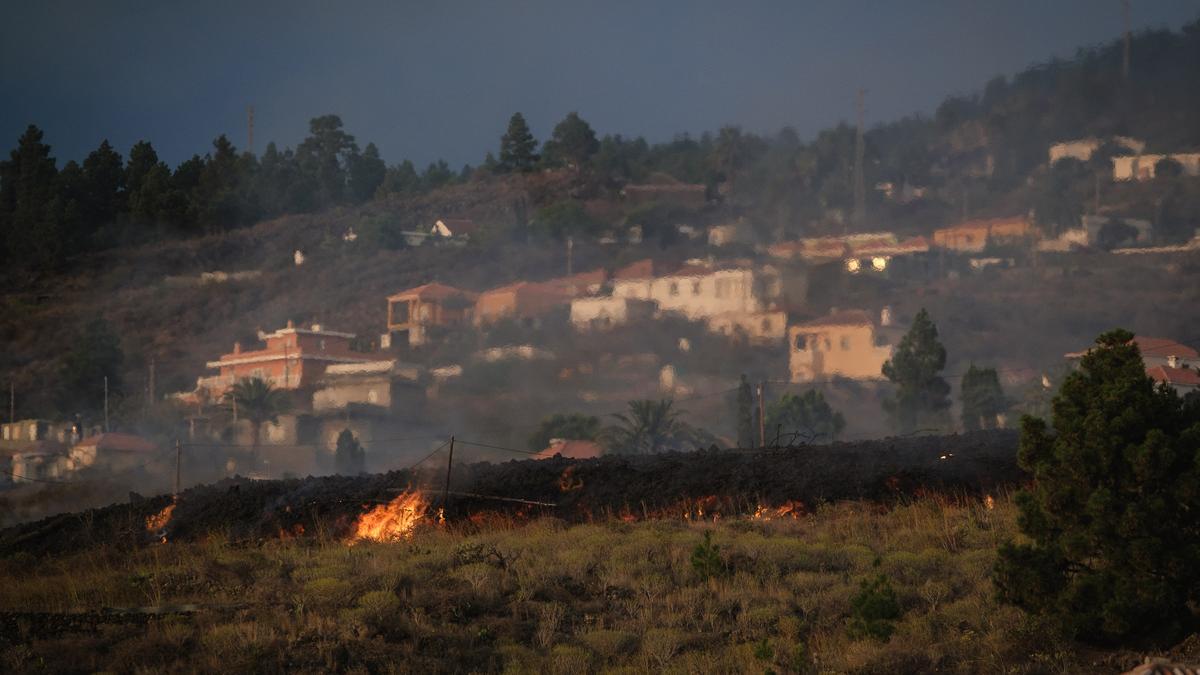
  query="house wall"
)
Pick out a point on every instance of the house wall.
point(973, 239)
point(1142, 167)
point(704, 295)
point(835, 351)
point(605, 312)
point(757, 327)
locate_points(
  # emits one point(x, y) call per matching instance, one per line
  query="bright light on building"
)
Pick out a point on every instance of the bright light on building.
point(852, 265)
point(879, 263)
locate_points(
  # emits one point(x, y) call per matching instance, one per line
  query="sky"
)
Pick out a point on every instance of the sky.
point(440, 78)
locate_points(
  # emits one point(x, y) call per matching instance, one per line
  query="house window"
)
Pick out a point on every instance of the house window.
point(845, 343)
point(766, 325)
point(695, 288)
point(674, 288)
point(828, 347)
point(801, 342)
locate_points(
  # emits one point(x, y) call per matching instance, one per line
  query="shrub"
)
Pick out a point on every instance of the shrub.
point(706, 559)
point(874, 611)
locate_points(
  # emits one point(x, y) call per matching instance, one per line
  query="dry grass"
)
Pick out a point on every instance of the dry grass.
point(546, 597)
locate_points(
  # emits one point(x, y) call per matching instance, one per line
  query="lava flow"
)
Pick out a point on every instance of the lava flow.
point(393, 521)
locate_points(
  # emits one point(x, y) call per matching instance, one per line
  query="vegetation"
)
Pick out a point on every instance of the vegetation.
point(349, 458)
point(805, 418)
point(921, 398)
point(258, 402)
point(983, 399)
point(549, 598)
point(91, 369)
point(649, 427)
point(571, 426)
point(1112, 553)
point(518, 147)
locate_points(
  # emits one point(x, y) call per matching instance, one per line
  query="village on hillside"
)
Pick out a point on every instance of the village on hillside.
point(590, 341)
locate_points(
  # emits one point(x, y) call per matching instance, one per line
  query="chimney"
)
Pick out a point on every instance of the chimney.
point(237, 348)
point(1173, 361)
point(291, 324)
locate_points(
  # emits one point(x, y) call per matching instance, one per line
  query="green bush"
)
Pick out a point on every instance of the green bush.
point(874, 611)
point(706, 559)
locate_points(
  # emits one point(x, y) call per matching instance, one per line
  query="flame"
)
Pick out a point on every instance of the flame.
point(393, 521)
point(568, 481)
point(156, 523)
point(989, 503)
point(792, 509)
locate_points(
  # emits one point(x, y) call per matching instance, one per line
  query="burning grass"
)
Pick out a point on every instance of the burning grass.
point(776, 591)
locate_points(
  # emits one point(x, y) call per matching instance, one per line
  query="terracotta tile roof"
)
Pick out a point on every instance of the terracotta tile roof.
point(845, 317)
point(571, 449)
point(432, 291)
point(641, 269)
point(119, 442)
point(1164, 347)
point(1153, 347)
point(1169, 375)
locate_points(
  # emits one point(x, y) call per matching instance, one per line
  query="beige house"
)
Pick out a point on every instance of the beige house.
point(598, 313)
point(700, 292)
point(1143, 167)
point(846, 344)
point(758, 327)
point(1083, 149)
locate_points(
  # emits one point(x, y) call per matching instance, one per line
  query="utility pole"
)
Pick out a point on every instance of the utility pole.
point(1125, 59)
point(449, 465)
point(860, 187)
point(12, 402)
point(286, 379)
point(151, 398)
point(178, 461)
point(965, 202)
point(762, 416)
point(250, 128)
point(106, 404)
point(570, 254)
point(1096, 200)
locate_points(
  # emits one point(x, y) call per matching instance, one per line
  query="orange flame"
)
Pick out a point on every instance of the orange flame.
point(792, 509)
point(393, 521)
point(158, 521)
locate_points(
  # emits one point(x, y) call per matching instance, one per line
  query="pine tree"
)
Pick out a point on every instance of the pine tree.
point(922, 396)
point(573, 142)
point(1111, 511)
point(982, 398)
point(518, 148)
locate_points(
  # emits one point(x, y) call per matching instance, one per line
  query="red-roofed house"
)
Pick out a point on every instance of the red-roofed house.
point(845, 344)
point(523, 300)
point(411, 313)
point(294, 358)
point(974, 235)
point(1159, 352)
point(1182, 380)
point(639, 269)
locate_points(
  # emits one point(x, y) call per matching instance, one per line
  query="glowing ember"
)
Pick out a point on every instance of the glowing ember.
point(989, 503)
point(393, 521)
point(158, 522)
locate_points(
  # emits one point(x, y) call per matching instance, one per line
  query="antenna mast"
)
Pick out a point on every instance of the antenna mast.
point(860, 189)
point(250, 128)
point(1125, 60)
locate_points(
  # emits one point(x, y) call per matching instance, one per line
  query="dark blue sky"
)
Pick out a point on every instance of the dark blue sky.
point(439, 78)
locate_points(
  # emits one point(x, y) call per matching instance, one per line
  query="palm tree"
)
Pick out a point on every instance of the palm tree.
point(648, 427)
point(257, 401)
